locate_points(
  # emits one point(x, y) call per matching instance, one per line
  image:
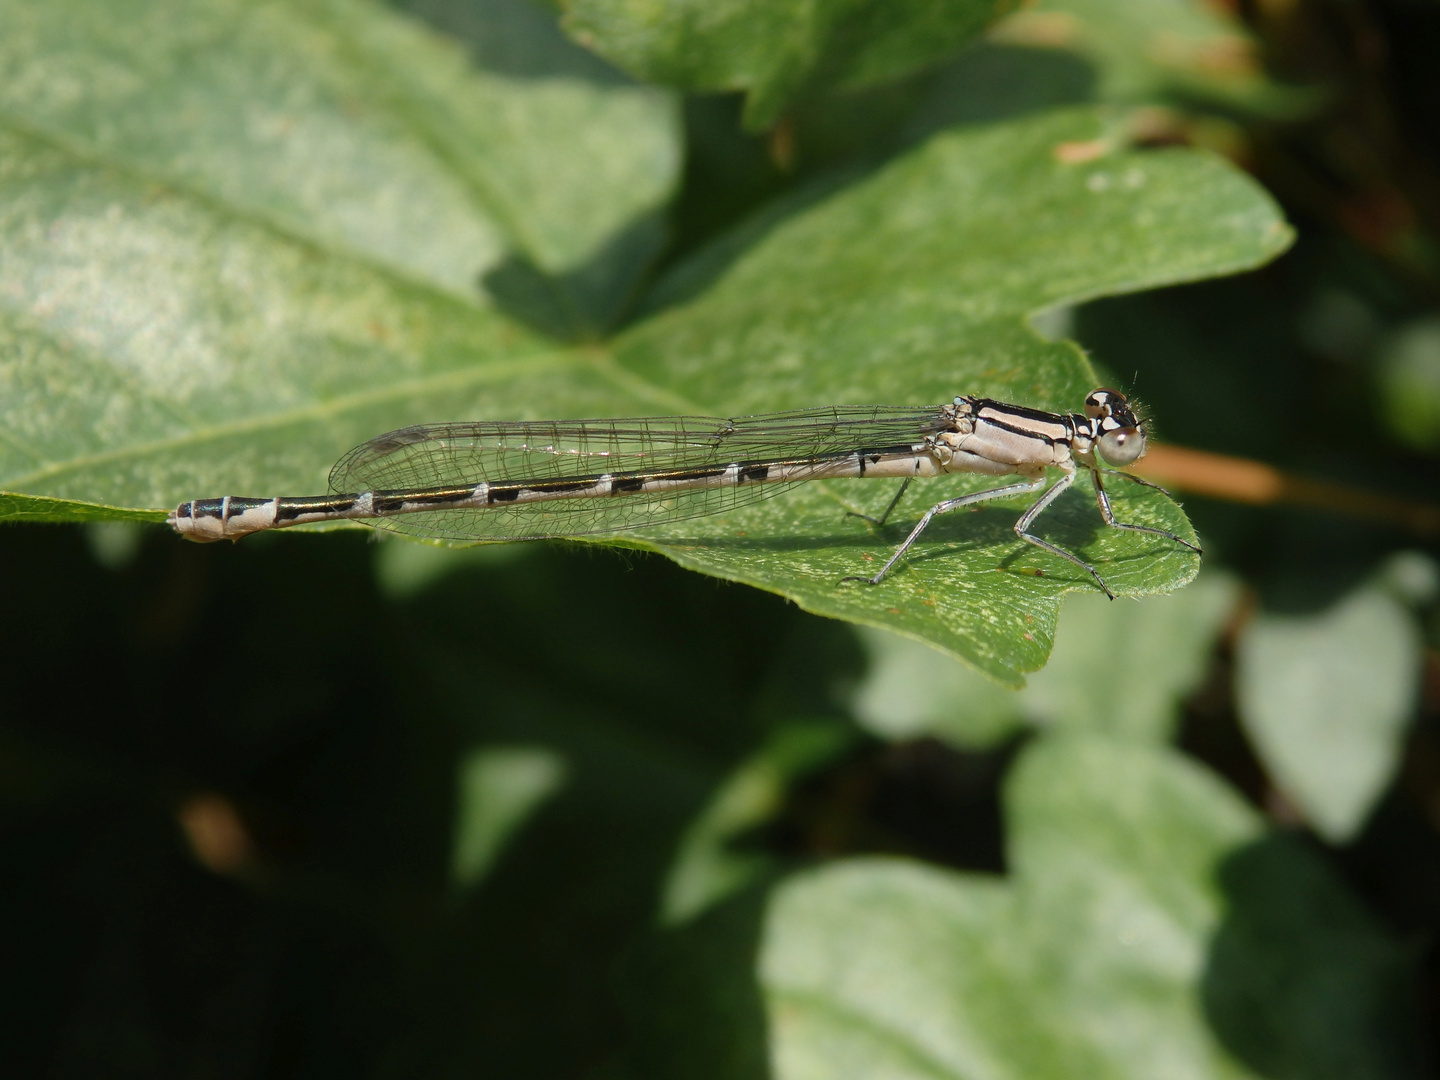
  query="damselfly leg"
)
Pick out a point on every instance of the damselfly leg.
point(1022, 526)
point(1102, 499)
point(943, 508)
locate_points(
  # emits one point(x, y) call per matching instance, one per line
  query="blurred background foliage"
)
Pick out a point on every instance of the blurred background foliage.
point(320, 806)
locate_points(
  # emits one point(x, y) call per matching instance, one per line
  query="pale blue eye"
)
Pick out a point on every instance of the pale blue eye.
point(1122, 447)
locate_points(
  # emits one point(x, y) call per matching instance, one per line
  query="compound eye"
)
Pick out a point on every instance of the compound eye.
point(1122, 447)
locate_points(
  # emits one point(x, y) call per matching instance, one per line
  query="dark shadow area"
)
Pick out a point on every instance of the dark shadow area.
point(991, 82)
point(585, 303)
point(692, 273)
point(123, 958)
point(923, 799)
point(1211, 733)
point(693, 998)
point(313, 927)
point(1394, 864)
point(516, 38)
point(1298, 982)
point(127, 695)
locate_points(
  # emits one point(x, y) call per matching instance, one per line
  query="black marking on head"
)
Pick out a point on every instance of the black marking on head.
point(1111, 408)
point(1118, 417)
point(1124, 417)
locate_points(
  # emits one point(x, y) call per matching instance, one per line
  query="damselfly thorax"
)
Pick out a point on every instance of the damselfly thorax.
point(536, 480)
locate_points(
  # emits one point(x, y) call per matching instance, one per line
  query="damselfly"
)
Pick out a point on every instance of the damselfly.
point(533, 480)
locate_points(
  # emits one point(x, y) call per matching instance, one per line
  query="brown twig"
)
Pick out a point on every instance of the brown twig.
point(1218, 476)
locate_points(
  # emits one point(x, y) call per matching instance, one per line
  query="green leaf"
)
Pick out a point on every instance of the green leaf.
point(356, 132)
point(500, 788)
point(1119, 669)
point(772, 49)
point(15, 509)
point(1141, 934)
point(158, 347)
point(217, 214)
point(1409, 378)
point(1326, 699)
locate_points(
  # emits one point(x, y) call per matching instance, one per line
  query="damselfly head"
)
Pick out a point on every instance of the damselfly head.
point(1120, 435)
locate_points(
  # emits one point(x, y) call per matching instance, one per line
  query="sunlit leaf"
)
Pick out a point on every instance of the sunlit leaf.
point(1326, 698)
point(1138, 936)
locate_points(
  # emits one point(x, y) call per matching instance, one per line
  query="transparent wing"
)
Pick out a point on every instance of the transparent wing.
point(464, 454)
